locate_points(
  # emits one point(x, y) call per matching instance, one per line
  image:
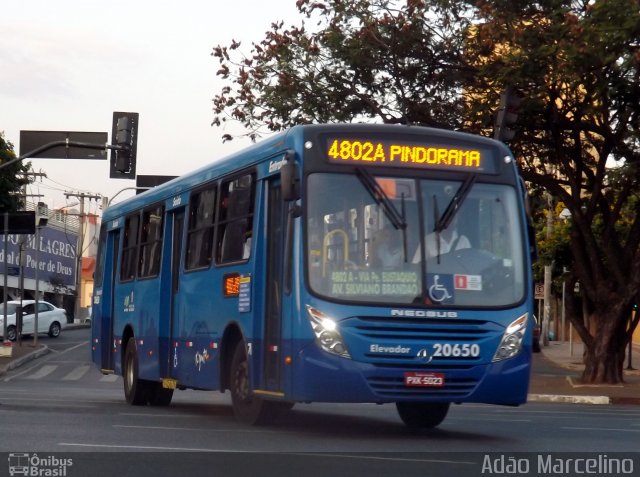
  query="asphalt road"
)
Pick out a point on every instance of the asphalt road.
point(61, 405)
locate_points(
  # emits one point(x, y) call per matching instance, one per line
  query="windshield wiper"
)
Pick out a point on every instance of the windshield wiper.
point(455, 203)
point(397, 218)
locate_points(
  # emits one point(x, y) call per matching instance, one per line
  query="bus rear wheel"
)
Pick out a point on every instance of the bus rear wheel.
point(249, 408)
point(136, 390)
point(422, 415)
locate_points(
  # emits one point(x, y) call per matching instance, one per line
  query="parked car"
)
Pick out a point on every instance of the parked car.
point(50, 318)
point(536, 334)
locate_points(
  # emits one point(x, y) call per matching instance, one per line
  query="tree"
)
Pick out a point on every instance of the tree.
point(370, 59)
point(444, 63)
point(577, 66)
point(12, 178)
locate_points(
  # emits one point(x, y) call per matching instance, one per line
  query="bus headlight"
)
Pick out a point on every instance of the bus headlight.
point(327, 334)
point(511, 343)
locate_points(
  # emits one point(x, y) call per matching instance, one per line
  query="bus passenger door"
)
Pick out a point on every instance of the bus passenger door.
point(274, 279)
point(112, 296)
point(176, 251)
point(109, 290)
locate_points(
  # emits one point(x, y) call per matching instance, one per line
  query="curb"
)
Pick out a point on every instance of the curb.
point(560, 398)
point(24, 359)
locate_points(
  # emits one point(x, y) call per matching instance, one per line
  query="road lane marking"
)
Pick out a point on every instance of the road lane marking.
point(77, 373)
point(317, 454)
point(191, 429)
point(494, 419)
point(143, 414)
point(109, 378)
point(612, 429)
point(369, 457)
point(158, 448)
point(45, 370)
point(26, 371)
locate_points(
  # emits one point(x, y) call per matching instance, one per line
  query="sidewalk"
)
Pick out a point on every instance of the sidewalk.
point(555, 376)
point(557, 386)
point(21, 354)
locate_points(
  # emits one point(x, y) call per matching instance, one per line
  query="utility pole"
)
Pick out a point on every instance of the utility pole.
point(81, 196)
point(547, 277)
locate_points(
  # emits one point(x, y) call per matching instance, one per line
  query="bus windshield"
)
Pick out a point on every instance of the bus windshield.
point(356, 253)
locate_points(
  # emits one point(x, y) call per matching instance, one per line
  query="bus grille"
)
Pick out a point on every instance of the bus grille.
point(419, 333)
point(424, 329)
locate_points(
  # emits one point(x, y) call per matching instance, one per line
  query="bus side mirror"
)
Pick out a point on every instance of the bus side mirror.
point(289, 180)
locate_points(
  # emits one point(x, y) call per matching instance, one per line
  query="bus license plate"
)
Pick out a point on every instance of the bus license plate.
point(424, 380)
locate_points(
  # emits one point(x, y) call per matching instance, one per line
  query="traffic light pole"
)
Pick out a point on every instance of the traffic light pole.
point(66, 143)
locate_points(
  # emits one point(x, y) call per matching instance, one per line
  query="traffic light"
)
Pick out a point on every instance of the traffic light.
point(124, 134)
point(507, 114)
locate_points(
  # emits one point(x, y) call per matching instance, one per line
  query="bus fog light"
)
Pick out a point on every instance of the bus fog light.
point(327, 334)
point(511, 343)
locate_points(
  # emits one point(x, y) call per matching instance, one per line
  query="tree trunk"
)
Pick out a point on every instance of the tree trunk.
point(604, 355)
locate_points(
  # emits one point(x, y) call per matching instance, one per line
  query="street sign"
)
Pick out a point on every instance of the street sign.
point(20, 222)
point(539, 291)
point(151, 181)
point(32, 140)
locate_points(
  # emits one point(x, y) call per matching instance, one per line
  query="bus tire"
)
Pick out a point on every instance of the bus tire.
point(249, 408)
point(422, 415)
point(136, 390)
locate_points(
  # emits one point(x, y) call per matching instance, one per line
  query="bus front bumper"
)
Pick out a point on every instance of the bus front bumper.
point(321, 377)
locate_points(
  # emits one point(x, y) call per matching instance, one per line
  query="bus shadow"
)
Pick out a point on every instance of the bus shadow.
point(371, 428)
point(365, 427)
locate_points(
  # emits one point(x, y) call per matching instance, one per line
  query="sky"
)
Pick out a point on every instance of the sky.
point(67, 65)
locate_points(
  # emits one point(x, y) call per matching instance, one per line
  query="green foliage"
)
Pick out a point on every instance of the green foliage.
point(12, 178)
point(361, 60)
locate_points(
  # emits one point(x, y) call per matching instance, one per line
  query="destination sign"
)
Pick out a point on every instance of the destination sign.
point(409, 154)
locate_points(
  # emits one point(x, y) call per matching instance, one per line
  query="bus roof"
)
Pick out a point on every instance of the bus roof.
point(264, 149)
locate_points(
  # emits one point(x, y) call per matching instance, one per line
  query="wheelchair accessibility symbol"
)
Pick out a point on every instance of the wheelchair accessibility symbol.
point(440, 287)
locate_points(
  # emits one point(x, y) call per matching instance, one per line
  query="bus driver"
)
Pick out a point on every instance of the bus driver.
point(450, 240)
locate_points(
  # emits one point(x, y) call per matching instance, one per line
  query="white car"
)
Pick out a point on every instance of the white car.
point(50, 318)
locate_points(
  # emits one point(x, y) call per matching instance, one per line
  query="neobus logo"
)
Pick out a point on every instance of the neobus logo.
point(277, 165)
point(424, 313)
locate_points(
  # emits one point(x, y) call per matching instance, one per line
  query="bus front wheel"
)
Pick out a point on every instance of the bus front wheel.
point(249, 408)
point(422, 415)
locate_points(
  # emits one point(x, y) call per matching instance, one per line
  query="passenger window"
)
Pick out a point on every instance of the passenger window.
point(129, 248)
point(235, 231)
point(151, 242)
point(200, 231)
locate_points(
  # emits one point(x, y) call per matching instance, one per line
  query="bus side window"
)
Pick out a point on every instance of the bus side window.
point(129, 248)
point(200, 229)
point(151, 242)
point(236, 219)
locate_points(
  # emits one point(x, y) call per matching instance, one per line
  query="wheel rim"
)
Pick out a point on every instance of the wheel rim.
point(55, 329)
point(128, 376)
point(11, 334)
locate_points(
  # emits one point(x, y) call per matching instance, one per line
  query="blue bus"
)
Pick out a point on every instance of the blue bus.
point(328, 263)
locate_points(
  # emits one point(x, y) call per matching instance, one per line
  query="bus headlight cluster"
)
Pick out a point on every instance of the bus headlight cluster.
point(511, 343)
point(327, 333)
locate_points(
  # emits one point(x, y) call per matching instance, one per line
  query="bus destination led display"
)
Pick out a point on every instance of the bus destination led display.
point(398, 153)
